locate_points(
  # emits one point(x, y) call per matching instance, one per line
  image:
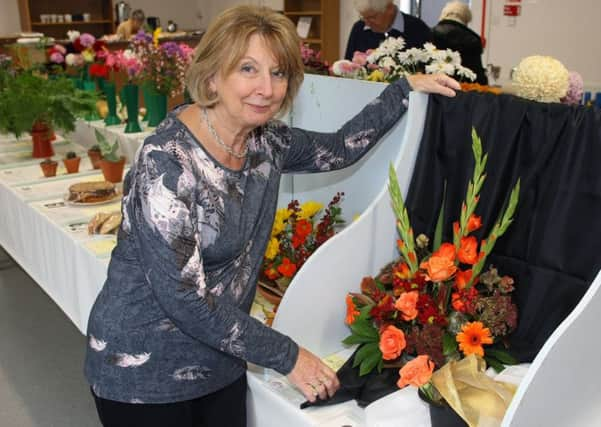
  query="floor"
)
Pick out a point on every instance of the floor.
point(41, 358)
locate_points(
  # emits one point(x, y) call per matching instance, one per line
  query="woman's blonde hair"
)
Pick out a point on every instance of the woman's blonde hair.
point(226, 41)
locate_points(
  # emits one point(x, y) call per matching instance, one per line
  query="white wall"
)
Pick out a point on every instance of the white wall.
point(184, 13)
point(568, 31)
point(9, 17)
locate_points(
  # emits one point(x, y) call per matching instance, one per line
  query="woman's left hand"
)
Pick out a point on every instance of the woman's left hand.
point(433, 83)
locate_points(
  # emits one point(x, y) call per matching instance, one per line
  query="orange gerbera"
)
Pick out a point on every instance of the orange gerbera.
point(287, 268)
point(351, 310)
point(303, 228)
point(472, 337)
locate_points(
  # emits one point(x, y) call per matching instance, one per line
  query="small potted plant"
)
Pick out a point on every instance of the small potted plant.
point(95, 156)
point(112, 164)
point(49, 167)
point(33, 103)
point(71, 162)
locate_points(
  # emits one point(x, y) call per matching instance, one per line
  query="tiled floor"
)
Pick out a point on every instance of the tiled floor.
point(41, 358)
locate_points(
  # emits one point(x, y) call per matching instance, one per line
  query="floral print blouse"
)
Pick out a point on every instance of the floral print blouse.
point(172, 322)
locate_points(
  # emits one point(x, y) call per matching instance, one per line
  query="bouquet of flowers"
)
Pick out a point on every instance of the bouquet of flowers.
point(428, 308)
point(312, 60)
point(390, 61)
point(295, 236)
point(162, 65)
point(90, 54)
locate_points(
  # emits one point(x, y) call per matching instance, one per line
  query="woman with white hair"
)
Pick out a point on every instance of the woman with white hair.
point(381, 19)
point(452, 32)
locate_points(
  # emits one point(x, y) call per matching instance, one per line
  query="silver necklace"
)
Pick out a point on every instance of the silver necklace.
point(219, 141)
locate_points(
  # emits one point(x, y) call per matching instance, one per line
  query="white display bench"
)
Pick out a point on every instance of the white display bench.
point(313, 309)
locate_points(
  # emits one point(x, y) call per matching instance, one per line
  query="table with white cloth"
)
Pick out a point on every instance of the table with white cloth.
point(48, 237)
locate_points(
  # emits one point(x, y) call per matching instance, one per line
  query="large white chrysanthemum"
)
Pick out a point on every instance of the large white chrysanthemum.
point(541, 78)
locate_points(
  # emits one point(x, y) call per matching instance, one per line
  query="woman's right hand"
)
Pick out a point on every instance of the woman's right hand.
point(312, 377)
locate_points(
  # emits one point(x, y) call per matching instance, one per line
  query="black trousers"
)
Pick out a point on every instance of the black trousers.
point(225, 407)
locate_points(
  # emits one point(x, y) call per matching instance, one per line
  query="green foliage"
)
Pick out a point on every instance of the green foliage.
point(108, 150)
point(27, 98)
point(71, 155)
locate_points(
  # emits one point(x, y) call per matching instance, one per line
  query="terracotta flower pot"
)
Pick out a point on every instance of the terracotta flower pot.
point(72, 164)
point(270, 291)
point(113, 171)
point(49, 168)
point(95, 157)
point(41, 135)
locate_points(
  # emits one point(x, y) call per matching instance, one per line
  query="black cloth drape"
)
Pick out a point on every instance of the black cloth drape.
point(553, 248)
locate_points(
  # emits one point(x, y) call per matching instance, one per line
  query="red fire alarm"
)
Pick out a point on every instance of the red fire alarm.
point(512, 10)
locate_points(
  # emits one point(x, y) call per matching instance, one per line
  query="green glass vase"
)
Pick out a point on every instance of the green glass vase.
point(90, 86)
point(111, 100)
point(156, 106)
point(129, 96)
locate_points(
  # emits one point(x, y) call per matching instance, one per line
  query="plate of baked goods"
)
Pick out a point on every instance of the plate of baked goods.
point(92, 193)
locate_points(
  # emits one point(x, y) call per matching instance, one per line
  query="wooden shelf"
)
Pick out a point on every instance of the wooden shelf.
point(325, 24)
point(63, 24)
point(101, 10)
point(304, 13)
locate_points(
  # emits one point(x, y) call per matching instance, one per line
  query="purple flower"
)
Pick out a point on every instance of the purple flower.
point(171, 48)
point(575, 89)
point(143, 37)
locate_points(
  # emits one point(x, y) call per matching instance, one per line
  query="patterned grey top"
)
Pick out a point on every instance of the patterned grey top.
point(172, 321)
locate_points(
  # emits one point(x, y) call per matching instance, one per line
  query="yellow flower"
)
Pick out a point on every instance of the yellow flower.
point(376, 76)
point(273, 249)
point(88, 55)
point(155, 36)
point(309, 209)
point(279, 221)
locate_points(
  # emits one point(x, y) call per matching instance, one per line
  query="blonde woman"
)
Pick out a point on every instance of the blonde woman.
point(170, 333)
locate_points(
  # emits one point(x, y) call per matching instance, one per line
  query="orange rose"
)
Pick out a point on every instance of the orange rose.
point(457, 302)
point(416, 372)
point(406, 305)
point(392, 342)
point(468, 252)
point(271, 273)
point(441, 265)
point(462, 278)
point(351, 310)
point(297, 240)
point(474, 222)
point(287, 268)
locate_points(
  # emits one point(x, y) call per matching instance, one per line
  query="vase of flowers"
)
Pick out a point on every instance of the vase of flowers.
point(162, 70)
point(391, 61)
point(433, 306)
point(295, 236)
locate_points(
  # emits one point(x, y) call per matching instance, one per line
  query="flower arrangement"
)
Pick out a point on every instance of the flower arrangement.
point(312, 60)
point(90, 54)
point(296, 235)
point(162, 65)
point(390, 61)
point(428, 308)
point(541, 78)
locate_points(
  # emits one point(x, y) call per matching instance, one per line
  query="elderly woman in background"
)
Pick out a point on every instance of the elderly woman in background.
point(130, 28)
point(170, 333)
point(452, 32)
point(381, 19)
